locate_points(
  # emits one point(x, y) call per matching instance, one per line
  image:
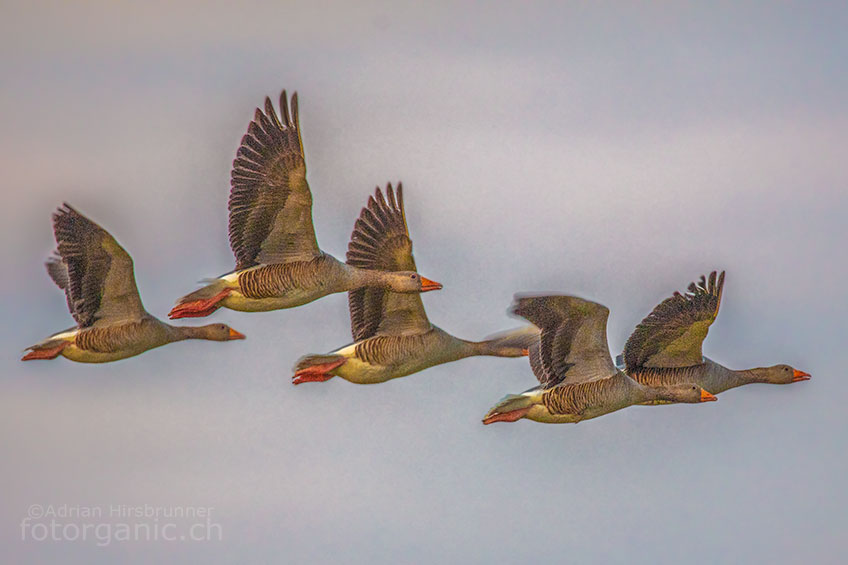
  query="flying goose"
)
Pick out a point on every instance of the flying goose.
point(96, 274)
point(392, 335)
point(571, 360)
point(278, 262)
point(665, 348)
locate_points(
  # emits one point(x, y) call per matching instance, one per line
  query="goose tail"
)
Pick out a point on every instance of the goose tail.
point(512, 343)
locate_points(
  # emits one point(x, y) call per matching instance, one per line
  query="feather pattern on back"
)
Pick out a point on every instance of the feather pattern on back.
point(269, 281)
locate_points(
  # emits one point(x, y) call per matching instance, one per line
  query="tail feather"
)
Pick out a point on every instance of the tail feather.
point(513, 343)
point(512, 407)
point(201, 302)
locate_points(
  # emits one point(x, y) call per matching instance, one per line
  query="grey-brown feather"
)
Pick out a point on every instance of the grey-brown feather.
point(611, 393)
point(276, 279)
point(672, 334)
point(573, 343)
point(58, 272)
point(122, 336)
point(270, 202)
point(100, 278)
point(380, 241)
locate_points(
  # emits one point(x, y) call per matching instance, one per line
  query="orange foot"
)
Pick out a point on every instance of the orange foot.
point(45, 353)
point(316, 373)
point(510, 416)
point(198, 308)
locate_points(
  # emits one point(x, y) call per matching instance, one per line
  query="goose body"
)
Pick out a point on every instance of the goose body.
point(666, 347)
point(392, 335)
point(278, 261)
point(284, 285)
point(97, 276)
point(583, 401)
point(577, 378)
point(381, 358)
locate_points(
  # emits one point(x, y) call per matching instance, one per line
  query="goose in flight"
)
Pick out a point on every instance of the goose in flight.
point(571, 360)
point(665, 348)
point(278, 261)
point(391, 333)
point(97, 276)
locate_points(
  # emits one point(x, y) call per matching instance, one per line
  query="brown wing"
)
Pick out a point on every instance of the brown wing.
point(99, 279)
point(59, 274)
point(380, 241)
point(573, 343)
point(270, 202)
point(672, 335)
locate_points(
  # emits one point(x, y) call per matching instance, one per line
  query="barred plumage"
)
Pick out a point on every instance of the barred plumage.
point(391, 349)
point(665, 376)
point(115, 337)
point(575, 399)
point(274, 280)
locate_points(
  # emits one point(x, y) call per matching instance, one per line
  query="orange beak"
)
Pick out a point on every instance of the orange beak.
point(707, 397)
point(799, 376)
point(236, 335)
point(427, 285)
point(525, 352)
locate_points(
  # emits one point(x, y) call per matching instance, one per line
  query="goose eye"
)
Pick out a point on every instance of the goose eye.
point(414, 277)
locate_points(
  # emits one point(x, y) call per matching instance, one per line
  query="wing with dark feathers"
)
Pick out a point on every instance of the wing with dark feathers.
point(99, 278)
point(672, 335)
point(573, 344)
point(380, 241)
point(59, 274)
point(270, 202)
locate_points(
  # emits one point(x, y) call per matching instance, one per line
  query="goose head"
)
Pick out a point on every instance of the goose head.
point(781, 375)
point(409, 282)
point(217, 332)
point(688, 392)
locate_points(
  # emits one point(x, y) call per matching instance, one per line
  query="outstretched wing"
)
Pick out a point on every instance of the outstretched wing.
point(573, 343)
point(270, 202)
point(380, 241)
point(672, 335)
point(58, 272)
point(98, 273)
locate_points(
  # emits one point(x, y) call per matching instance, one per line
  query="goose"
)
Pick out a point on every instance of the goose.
point(96, 274)
point(571, 360)
point(665, 348)
point(392, 335)
point(278, 261)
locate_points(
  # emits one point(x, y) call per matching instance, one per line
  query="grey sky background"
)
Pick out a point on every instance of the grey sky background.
point(613, 151)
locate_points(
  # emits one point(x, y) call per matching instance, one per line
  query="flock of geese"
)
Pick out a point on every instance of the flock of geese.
point(279, 265)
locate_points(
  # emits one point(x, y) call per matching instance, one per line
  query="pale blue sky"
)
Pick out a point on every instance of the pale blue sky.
point(615, 152)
